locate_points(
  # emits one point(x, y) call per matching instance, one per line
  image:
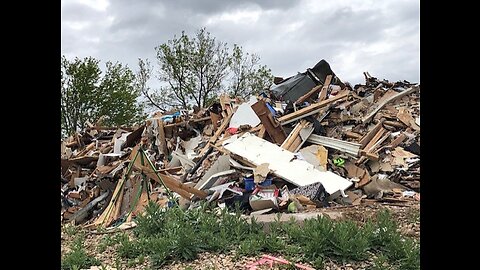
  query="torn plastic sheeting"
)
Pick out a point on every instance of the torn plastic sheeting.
point(284, 164)
point(245, 115)
point(169, 118)
point(293, 88)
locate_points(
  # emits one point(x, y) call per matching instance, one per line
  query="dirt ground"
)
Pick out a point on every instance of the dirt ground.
point(407, 216)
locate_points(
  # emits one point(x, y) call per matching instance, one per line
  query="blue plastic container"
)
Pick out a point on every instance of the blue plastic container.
point(267, 182)
point(249, 184)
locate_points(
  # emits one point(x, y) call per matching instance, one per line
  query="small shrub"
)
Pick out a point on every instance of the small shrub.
point(129, 249)
point(77, 258)
point(251, 245)
point(151, 222)
point(411, 255)
point(315, 238)
point(349, 241)
point(381, 263)
point(70, 230)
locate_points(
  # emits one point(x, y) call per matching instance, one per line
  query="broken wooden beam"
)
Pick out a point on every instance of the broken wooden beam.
point(364, 154)
point(293, 136)
point(351, 134)
point(309, 110)
point(170, 182)
point(89, 147)
point(375, 139)
point(297, 138)
point(310, 93)
point(161, 134)
point(397, 141)
point(206, 118)
point(214, 118)
point(222, 128)
point(395, 124)
point(197, 165)
point(323, 92)
point(388, 100)
point(368, 137)
point(261, 133)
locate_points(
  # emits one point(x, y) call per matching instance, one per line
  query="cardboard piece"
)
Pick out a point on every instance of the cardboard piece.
point(260, 173)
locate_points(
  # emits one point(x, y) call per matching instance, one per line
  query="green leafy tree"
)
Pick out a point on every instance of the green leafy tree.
point(192, 68)
point(210, 61)
point(194, 71)
point(142, 77)
point(86, 95)
point(174, 61)
point(248, 77)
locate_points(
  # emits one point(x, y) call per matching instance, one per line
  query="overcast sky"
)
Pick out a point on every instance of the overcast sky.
point(381, 37)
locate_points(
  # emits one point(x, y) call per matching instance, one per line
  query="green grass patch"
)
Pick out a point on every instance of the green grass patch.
point(77, 257)
point(180, 235)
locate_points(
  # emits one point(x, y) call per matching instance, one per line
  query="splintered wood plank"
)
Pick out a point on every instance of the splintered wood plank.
point(364, 180)
point(206, 118)
point(351, 134)
point(395, 124)
point(219, 131)
point(389, 99)
point(366, 152)
point(292, 140)
point(368, 137)
point(311, 108)
point(323, 93)
point(378, 142)
point(161, 134)
point(310, 93)
point(261, 133)
point(116, 209)
point(84, 151)
point(222, 128)
point(214, 117)
point(171, 183)
point(118, 192)
point(397, 140)
point(374, 139)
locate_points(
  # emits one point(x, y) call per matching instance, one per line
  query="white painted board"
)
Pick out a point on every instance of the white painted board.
point(284, 164)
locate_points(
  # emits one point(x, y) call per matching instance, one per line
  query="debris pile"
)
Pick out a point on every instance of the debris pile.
point(310, 141)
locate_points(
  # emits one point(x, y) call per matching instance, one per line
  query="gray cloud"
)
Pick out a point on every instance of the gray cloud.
point(381, 37)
